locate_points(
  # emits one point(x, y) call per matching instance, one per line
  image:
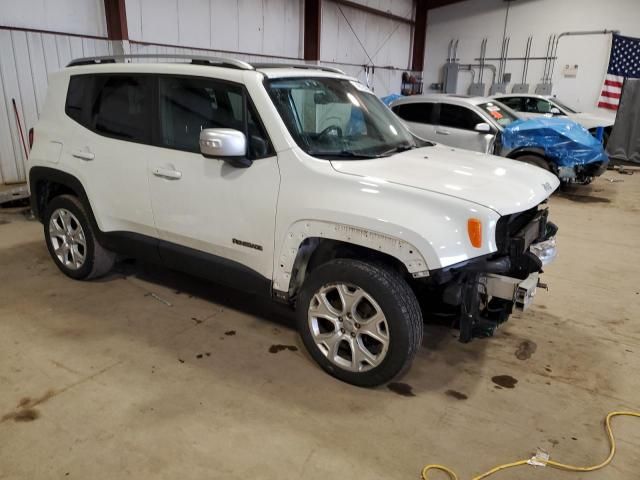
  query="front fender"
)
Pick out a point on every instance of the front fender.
point(299, 231)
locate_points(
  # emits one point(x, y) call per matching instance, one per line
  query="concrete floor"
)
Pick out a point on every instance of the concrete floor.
point(151, 374)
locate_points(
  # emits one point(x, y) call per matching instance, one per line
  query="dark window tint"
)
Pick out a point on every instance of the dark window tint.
point(121, 106)
point(455, 116)
point(514, 103)
point(77, 96)
point(415, 112)
point(189, 105)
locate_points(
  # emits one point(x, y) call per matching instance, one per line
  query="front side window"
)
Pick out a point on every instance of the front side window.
point(498, 113)
point(455, 116)
point(564, 106)
point(336, 117)
point(537, 105)
point(415, 112)
point(121, 107)
point(189, 105)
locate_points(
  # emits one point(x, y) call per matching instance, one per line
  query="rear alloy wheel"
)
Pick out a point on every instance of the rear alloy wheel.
point(72, 242)
point(67, 239)
point(360, 321)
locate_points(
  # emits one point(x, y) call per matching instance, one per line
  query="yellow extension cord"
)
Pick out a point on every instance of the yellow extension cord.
point(549, 463)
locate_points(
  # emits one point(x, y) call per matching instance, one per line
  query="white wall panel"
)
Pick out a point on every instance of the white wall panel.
point(270, 27)
point(38, 68)
point(159, 21)
point(386, 41)
point(13, 169)
point(224, 25)
point(84, 17)
point(250, 34)
point(194, 23)
point(472, 20)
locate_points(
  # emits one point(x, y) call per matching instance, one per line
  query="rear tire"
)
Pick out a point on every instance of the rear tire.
point(72, 242)
point(361, 322)
point(535, 160)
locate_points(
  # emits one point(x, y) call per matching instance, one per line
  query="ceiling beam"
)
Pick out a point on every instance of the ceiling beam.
point(431, 4)
point(374, 11)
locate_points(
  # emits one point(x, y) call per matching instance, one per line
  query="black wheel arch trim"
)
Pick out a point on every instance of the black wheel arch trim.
point(518, 152)
point(53, 175)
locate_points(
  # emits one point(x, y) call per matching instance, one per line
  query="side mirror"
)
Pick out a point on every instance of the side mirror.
point(483, 128)
point(225, 143)
point(555, 111)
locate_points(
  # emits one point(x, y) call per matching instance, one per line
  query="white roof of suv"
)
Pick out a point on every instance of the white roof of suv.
point(444, 97)
point(270, 70)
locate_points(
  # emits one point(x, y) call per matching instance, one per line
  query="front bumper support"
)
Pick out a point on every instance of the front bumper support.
point(489, 296)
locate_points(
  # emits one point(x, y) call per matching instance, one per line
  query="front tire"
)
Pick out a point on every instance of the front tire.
point(361, 322)
point(71, 241)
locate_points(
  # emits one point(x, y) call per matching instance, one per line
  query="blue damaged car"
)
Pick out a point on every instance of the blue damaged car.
point(485, 125)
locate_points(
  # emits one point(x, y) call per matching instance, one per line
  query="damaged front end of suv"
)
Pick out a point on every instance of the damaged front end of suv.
point(480, 294)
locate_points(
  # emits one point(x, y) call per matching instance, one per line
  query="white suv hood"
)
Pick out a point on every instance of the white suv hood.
point(506, 186)
point(592, 120)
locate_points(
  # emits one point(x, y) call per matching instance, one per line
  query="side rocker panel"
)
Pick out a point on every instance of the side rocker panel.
point(299, 231)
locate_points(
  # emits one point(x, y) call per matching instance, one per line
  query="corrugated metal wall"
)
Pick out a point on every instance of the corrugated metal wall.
point(269, 27)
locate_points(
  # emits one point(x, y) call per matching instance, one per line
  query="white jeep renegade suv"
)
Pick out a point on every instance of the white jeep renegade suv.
point(292, 182)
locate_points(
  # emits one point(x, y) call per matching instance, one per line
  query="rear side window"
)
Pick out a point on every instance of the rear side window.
point(189, 105)
point(77, 95)
point(455, 116)
point(121, 107)
point(415, 112)
point(116, 106)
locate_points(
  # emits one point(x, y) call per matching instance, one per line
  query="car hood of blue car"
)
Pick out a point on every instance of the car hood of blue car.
point(564, 141)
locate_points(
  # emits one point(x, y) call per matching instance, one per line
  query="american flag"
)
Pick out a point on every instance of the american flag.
point(624, 62)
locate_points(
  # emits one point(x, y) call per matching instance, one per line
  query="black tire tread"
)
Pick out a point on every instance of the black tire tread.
point(102, 260)
point(399, 289)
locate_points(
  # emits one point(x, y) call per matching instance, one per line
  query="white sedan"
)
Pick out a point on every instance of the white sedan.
point(531, 105)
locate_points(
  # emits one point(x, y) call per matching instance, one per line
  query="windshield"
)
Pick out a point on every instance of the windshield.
point(499, 113)
point(333, 117)
point(563, 106)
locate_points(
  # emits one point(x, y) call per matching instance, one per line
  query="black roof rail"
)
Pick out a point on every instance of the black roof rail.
point(306, 66)
point(196, 60)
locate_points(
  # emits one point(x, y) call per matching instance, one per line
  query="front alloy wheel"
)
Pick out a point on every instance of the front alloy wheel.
point(349, 327)
point(360, 321)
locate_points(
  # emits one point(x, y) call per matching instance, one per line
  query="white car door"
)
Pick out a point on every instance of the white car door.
point(111, 152)
point(206, 205)
point(418, 117)
point(456, 127)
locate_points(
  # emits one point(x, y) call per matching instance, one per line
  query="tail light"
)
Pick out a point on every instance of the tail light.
point(31, 138)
